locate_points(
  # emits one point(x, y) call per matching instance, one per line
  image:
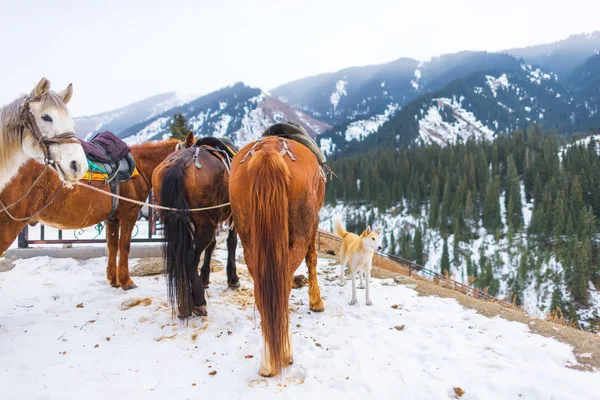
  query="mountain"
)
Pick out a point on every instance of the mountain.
point(561, 57)
point(238, 111)
point(480, 105)
point(585, 84)
point(124, 117)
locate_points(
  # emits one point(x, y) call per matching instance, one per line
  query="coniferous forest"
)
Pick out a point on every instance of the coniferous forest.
point(475, 189)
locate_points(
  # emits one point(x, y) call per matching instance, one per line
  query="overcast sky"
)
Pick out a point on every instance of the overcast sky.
point(118, 52)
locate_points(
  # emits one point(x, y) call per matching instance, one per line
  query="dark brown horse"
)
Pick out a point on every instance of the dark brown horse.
point(275, 202)
point(188, 179)
point(81, 207)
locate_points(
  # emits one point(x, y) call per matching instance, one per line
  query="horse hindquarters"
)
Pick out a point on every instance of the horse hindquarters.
point(269, 235)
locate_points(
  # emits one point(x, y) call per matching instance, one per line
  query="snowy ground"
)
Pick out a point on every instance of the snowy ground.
point(111, 347)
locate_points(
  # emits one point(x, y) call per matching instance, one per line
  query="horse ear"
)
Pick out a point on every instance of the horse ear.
point(189, 139)
point(66, 94)
point(41, 89)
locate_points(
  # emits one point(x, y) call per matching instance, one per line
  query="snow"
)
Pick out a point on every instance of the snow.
point(415, 82)
point(151, 130)
point(338, 92)
point(48, 347)
point(327, 146)
point(358, 130)
point(497, 83)
point(434, 129)
point(222, 125)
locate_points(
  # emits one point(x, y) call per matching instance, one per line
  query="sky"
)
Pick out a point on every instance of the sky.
point(119, 52)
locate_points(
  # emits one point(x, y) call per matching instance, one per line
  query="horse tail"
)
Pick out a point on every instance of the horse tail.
point(178, 249)
point(269, 235)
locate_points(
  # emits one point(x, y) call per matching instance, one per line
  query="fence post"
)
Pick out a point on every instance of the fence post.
point(23, 236)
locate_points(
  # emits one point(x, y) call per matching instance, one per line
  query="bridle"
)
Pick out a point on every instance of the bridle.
point(27, 122)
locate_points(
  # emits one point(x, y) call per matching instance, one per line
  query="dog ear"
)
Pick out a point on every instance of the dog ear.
point(367, 231)
point(378, 231)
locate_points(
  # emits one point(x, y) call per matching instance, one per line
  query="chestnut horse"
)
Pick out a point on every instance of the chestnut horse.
point(275, 202)
point(179, 183)
point(81, 207)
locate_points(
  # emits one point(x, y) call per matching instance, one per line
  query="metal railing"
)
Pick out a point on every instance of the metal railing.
point(150, 215)
point(419, 269)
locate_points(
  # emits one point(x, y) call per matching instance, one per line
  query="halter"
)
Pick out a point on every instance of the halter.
point(27, 121)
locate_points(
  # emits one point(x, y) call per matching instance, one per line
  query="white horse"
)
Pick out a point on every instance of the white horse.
point(39, 126)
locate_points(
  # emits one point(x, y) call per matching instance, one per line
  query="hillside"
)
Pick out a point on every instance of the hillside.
point(238, 111)
point(425, 347)
point(124, 117)
point(517, 215)
point(561, 57)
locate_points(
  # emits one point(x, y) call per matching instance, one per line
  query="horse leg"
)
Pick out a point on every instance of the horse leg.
point(203, 239)
point(124, 246)
point(314, 293)
point(112, 242)
point(205, 270)
point(233, 281)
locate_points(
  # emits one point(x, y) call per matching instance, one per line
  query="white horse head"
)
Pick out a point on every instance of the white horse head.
point(47, 112)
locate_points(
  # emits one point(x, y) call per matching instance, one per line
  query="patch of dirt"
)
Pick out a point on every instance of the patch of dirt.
point(6, 264)
point(299, 281)
point(585, 344)
point(137, 301)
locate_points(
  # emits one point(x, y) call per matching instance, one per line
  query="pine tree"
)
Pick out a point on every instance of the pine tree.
point(418, 246)
point(179, 127)
point(445, 265)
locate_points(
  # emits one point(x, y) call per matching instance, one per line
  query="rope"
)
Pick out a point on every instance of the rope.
point(141, 203)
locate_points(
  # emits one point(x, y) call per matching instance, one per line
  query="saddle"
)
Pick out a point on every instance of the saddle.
point(222, 148)
point(291, 130)
point(109, 162)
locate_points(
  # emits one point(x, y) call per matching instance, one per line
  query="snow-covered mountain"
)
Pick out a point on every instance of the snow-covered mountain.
point(561, 57)
point(124, 117)
point(238, 111)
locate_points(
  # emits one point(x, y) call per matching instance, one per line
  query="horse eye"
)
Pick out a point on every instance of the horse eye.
point(47, 118)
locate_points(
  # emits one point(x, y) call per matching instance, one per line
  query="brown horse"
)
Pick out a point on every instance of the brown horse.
point(188, 179)
point(81, 207)
point(275, 202)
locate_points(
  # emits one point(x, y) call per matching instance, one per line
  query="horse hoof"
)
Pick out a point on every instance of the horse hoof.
point(235, 285)
point(204, 286)
point(316, 308)
point(183, 316)
point(266, 374)
point(200, 311)
point(361, 286)
point(132, 286)
point(115, 285)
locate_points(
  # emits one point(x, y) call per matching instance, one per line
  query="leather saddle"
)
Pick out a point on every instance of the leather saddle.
point(291, 130)
point(222, 148)
point(110, 162)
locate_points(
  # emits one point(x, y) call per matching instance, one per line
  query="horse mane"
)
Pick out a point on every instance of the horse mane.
point(10, 140)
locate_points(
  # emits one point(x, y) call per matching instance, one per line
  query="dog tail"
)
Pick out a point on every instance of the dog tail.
point(338, 228)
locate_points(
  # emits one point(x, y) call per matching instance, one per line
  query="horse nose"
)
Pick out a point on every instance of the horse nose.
point(75, 167)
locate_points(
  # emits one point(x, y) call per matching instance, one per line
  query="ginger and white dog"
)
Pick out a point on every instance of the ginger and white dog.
point(357, 252)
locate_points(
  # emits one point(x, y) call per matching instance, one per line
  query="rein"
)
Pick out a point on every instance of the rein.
point(27, 122)
point(141, 203)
